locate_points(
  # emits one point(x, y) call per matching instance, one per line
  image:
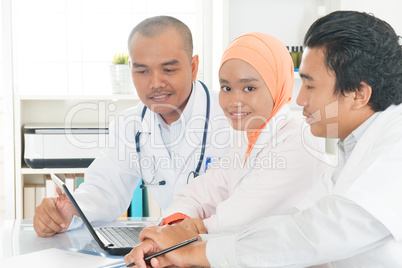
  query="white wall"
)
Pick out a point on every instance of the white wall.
point(2, 181)
point(7, 204)
point(288, 20)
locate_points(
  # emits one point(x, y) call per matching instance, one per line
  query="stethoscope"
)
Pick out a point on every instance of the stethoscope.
point(192, 174)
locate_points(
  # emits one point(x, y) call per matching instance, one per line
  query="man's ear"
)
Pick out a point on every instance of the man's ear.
point(362, 97)
point(194, 67)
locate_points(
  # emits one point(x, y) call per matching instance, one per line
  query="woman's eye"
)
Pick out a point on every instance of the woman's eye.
point(248, 89)
point(226, 89)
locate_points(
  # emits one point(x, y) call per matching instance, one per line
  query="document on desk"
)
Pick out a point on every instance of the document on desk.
point(50, 258)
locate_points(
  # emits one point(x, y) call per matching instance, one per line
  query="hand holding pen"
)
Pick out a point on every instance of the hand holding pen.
point(184, 243)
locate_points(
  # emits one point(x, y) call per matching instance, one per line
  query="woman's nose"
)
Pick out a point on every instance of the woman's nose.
point(237, 99)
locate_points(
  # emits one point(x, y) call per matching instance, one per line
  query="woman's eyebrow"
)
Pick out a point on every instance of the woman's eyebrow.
point(242, 80)
point(248, 79)
point(223, 81)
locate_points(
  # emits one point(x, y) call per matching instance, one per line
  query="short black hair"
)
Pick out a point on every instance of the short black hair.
point(360, 47)
point(154, 26)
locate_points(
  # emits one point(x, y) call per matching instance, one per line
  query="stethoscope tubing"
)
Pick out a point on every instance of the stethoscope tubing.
point(204, 139)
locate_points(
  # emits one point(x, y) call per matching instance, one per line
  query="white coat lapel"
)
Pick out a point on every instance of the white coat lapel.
point(153, 154)
point(377, 134)
point(267, 139)
point(194, 126)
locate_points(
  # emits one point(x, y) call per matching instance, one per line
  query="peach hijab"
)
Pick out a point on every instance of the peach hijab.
point(272, 61)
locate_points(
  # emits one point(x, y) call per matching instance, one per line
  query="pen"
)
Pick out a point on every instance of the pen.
point(167, 250)
point(207, 161)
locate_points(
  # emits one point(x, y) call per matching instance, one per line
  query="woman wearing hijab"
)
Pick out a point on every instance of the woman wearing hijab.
point(270, 170)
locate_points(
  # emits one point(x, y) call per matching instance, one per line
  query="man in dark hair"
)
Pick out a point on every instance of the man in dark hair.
point(359, 47)
point(351, 72)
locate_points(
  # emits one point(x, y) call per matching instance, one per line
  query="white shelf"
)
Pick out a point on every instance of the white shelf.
point(78, 97)
point(54, 109)
point(28, 171)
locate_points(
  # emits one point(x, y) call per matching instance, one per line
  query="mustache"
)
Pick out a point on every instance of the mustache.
point(160, 91)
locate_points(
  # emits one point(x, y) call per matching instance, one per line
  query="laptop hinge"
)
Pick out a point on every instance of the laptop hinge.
point(103, 239)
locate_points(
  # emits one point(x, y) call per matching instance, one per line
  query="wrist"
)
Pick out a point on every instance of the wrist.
point(197, 255)
point(174, 218)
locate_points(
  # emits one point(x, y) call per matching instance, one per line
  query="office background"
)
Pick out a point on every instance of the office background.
point(65, 46)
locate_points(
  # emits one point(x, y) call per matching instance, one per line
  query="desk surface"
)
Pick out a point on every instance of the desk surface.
point(18, 237)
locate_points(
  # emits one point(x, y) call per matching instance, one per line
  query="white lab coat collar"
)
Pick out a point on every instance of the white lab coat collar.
point(194, 124)
point(359, 180)
point(268, 136)
point(349, 143)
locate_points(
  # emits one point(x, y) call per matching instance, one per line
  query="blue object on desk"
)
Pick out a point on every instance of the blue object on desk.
point(136, 206)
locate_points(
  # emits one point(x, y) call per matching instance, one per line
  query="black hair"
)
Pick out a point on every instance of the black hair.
point(360, 47)
point(154, 26)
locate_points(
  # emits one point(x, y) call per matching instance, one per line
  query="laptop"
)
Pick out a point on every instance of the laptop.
point(118, 240)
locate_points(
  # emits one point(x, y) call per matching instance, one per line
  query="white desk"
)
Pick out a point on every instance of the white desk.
point(18, 237)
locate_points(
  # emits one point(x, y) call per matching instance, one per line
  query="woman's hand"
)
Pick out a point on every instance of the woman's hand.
point(194, 224)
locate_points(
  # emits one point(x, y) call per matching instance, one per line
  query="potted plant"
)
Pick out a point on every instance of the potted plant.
point(120, 75)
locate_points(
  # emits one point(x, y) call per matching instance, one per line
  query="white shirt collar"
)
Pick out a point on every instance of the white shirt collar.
point(346, 146)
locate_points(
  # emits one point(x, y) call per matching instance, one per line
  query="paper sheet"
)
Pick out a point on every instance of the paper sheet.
point(54, 257)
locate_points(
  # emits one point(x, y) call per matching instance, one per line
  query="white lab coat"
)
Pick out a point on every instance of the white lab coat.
point(356, 222)
point(277, 175)
point(111, 179)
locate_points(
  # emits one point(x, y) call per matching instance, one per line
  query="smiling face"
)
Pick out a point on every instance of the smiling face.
point(244, 97)
point(162, 72)
point(329, 115)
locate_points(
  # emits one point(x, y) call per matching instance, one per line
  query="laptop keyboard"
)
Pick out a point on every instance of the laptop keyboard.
point(122, 236)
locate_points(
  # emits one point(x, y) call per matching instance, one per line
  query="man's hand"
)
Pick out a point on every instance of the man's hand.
point(53, 215)
point(156, 238)
point(194, 224)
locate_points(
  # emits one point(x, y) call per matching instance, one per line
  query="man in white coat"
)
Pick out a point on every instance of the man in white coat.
point(165, 140)
point(352, 90)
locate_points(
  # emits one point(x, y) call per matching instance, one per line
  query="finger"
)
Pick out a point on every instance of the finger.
point(160, 261)
point(62, 197)
point(201, 228)
point(58, 191)
point(192, 227)
point(50, 216)
point(149, 233)
point(183, 223)
point(40, 228)
point(138, 253)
